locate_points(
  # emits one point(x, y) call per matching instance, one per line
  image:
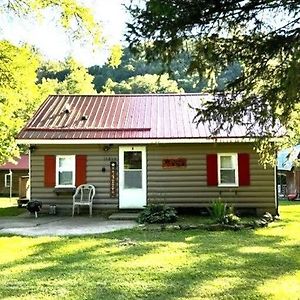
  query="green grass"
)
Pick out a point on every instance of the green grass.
point(9, 207)
point(260, 264)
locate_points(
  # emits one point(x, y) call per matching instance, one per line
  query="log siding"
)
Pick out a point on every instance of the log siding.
point(187, 187)
point(176, 186)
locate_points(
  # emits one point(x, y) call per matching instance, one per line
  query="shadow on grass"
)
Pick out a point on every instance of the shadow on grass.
point(228, 267)
point(153, 265)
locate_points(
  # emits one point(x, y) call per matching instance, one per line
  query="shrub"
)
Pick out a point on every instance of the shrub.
point(222, 213)
point(157, 213)
point(218, 210)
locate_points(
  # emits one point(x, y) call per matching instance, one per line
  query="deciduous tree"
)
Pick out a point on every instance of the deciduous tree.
point(143, 84)
point(19, 94)
point(18, 97)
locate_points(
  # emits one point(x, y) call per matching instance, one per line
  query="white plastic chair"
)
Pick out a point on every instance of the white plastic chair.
point(84, 195)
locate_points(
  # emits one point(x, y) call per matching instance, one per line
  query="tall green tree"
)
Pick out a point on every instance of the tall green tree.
point(79, 81)
point(19, 94)
point(263, 36)
point(73, 78)
point(19, 97)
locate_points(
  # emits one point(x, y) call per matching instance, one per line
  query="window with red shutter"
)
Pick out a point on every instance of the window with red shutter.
point(58, 170)
point(227, 169)
point(65, 170)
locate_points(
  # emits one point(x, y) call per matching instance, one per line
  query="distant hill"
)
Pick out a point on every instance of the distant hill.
point(131, 67)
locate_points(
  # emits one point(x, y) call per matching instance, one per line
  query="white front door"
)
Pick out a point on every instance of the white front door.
point(132, 177)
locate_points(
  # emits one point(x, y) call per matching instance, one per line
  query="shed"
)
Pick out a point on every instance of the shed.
point(289, 172)
point(12, 172)
point(142, 149)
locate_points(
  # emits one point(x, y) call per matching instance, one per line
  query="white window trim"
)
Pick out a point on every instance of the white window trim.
point(235, 164)
point(7, 179)
point(57, 168)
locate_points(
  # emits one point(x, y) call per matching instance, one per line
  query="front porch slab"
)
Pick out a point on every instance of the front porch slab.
point(124, 216)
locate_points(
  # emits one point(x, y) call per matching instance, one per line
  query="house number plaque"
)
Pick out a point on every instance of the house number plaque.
point(179, 162)
point(113, 179)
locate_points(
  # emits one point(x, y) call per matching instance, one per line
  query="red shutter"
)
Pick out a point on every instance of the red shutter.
point(244, 169)
point(49, 170)
point(80, 170)
point(212, 169)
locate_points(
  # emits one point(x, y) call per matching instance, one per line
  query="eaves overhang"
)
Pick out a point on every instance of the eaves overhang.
point(135, 141)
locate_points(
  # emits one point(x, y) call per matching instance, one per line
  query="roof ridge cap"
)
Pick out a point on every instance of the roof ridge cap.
point(131, 95)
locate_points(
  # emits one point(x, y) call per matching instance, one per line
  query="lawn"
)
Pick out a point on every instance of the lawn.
point(9, 207)
point(195, 264)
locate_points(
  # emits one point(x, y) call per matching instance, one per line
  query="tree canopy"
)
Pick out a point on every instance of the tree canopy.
point(129, 67)
point(142, 84)
point(20, 94)
point(68, 77)
point(262, 36)
point(18, 98)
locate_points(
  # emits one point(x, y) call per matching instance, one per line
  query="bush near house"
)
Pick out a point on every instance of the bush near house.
point(222, 213)
point(157, 213)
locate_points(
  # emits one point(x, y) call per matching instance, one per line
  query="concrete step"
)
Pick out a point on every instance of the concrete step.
point(124, 216)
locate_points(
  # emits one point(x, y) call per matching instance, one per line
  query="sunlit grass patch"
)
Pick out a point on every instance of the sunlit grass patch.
point(9, 207)
point(284, 287)
point(27, 267)
point(160, 260)
point(167, 265)
point(288, 228)
point(8, 202)
point(74, 246)
point(258, 249)
point(16, 248)
point(213, 288)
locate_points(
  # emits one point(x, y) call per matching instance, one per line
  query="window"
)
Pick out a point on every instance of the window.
point(132, 169)
point(7, 179)
point(65, 170)
point(228, 170)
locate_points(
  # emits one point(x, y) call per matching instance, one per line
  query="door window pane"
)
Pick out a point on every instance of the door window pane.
point(132, 179)
point(133, 160)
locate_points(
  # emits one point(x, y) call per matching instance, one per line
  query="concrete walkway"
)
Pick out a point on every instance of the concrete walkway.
point(46, 225)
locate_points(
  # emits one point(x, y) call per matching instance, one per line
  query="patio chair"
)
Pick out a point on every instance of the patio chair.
point(83, 196)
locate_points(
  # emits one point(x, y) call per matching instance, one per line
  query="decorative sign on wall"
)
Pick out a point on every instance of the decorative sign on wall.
point(179, 162)
point(113, 179)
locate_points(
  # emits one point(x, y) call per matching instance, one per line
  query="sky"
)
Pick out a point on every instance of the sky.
point(53, 42)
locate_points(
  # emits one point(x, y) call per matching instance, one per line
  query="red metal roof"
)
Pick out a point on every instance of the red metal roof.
point(22, 163)
point(154, 116)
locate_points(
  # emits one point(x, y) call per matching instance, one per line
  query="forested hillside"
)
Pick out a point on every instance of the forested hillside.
point(134, 75)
